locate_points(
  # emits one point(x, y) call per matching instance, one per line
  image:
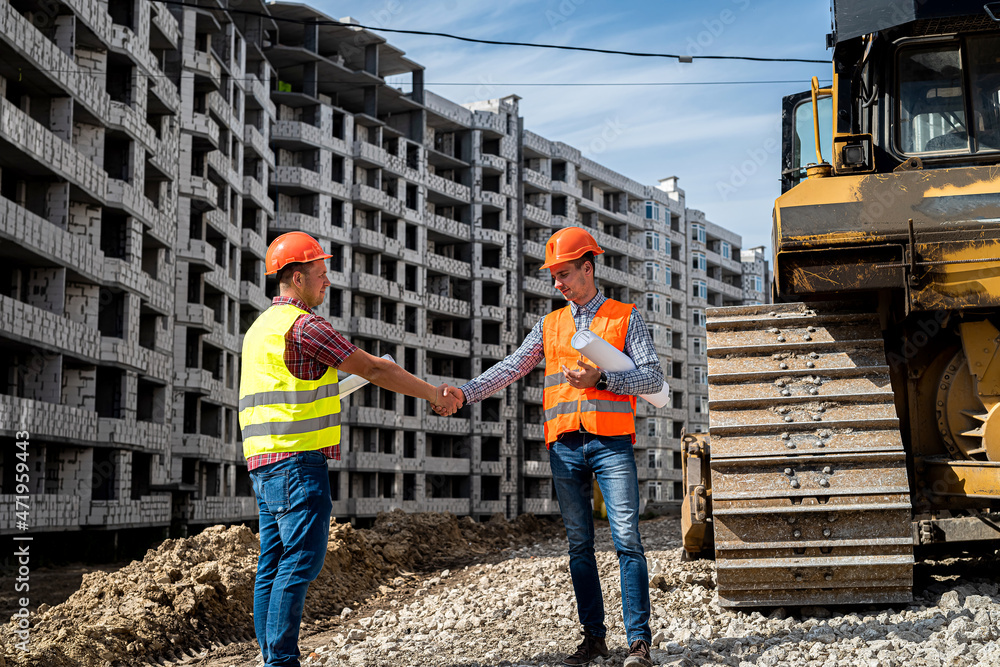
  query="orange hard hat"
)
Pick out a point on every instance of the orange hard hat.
point(567, 244)
point(292, 247)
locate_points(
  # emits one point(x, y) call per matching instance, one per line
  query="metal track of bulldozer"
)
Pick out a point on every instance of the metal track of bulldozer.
point(810, 495)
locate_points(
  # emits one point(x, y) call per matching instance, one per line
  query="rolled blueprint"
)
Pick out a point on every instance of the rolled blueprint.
point(607, 357)
point(352, 383)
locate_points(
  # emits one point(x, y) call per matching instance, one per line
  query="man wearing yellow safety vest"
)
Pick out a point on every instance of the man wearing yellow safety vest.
point(290, 422)
point(589, 430)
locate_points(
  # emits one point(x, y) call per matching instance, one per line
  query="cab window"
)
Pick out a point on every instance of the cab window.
point(804, 137)
point(936, 84)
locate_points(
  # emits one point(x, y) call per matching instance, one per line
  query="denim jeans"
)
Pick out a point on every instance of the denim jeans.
point(575, 458)
point(293, 498)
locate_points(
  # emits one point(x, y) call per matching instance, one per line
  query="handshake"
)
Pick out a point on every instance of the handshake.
point(447, 400)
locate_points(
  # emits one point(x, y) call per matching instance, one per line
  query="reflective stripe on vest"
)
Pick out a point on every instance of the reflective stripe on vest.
point(567, 409)
point(278, 411)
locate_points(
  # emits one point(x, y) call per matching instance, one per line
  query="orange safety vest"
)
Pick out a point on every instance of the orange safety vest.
point(567, 409)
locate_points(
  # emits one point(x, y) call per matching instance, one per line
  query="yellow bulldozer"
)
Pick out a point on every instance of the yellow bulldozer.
point(854, 422)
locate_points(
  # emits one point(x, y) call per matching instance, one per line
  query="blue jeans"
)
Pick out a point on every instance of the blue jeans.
point(575, 458)
point(293, 498)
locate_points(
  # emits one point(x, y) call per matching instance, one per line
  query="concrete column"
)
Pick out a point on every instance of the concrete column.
point(371, 59)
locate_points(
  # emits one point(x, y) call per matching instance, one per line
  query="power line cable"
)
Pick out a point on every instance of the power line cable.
point(630, 83)
point(252, 79)
point(638, 54)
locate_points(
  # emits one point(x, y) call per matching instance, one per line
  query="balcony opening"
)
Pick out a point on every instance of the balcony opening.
point(119, 77)
point(108, 402)
point(388, 312)
point(491, 258)
point(409, 486)
point(559, 206)
point(490, 488)
point(411, 237)
point(491, 335)
point(150, 257)
point(147, 330)
point(337, 128)
point(409, 445)
point(491, 449)
point(123, 13)
point(111, 313)
point(212, 479)
point(334, 485)
point(118, 157)
point(211, 359)
point(102, 478)
point(142, 473)
point(448, 486)
point(411, 196)
point(491, 294)
point(535, 487)
point(491, 146)
point(678, 400)
point(211, 420)
point(113, 228)
point(190, 413)
point(249, 269)
point(387, 484)
point(491, 410)
point(335, 299)
point(491, 183)
point(410, 319)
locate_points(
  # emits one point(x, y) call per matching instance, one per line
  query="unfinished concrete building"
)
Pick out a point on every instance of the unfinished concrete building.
point(154, 153)
point(89, 134)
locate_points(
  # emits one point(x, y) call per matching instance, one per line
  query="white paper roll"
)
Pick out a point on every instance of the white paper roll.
point(352, 383)
point(607, 357)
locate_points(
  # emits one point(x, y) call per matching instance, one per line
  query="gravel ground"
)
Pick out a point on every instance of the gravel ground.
point(521, 611)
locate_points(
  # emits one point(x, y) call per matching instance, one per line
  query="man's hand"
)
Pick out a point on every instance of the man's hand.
point(585, 378)
point(448, 400)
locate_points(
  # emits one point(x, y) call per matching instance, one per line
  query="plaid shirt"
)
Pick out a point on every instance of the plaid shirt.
point(311, 345)
point(647, 378)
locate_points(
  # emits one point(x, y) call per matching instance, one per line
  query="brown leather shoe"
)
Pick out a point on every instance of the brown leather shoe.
point(591, 647)
point(638, 655)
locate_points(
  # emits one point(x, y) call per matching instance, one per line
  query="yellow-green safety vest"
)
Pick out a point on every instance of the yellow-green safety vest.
point(278, 411)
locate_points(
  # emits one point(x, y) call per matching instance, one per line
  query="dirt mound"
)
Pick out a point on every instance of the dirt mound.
point(191, 592)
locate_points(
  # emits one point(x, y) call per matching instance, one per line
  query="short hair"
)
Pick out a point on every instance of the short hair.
point(286, 272)
point(587, 257)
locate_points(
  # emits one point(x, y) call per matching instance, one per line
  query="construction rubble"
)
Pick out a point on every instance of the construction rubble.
point(194, 592)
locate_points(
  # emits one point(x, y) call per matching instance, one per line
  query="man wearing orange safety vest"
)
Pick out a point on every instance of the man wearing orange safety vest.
point(589, 430)
point(290, 423)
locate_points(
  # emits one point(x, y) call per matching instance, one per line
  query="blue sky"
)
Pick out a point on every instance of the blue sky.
point(722, 141)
